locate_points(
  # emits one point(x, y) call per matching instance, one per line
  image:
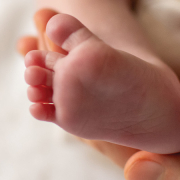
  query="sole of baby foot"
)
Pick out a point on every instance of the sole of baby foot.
point(101, 93)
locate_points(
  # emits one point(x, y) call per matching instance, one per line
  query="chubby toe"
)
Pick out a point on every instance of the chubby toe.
point(35, 76)
point(40, 94)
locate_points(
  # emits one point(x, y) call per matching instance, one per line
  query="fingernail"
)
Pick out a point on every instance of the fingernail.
point(146, 170)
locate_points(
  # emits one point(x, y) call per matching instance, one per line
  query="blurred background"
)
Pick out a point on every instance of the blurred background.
point(30, 149)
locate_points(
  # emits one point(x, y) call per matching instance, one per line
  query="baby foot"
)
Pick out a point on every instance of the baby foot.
point(117, 153)
point(100, 93)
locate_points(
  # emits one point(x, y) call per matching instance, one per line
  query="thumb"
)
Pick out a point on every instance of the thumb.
point(150, 166)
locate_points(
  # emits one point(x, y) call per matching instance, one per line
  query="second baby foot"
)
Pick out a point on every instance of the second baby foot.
point(97, 92)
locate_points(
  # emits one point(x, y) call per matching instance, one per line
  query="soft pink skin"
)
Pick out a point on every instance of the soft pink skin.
point(117, 153)
point(105, 94)
point(171, 163)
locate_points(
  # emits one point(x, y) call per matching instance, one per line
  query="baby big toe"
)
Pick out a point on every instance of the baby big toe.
point(67, 32)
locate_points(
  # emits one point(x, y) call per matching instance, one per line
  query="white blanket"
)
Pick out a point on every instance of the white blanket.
point(29, 149)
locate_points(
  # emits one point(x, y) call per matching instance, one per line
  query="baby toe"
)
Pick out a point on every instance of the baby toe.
point(40, 94)
point(67, 32)
point(45, 112)
point(45, 59)
point(35, 76)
